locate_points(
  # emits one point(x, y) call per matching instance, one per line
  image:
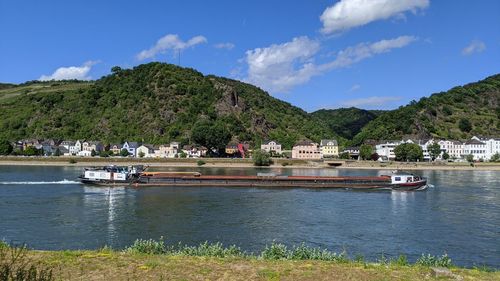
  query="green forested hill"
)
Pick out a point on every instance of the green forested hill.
point(155, 103)
point(347, 122)
point(459, 113)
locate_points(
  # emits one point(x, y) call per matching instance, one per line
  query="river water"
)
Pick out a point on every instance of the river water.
point(46, 208)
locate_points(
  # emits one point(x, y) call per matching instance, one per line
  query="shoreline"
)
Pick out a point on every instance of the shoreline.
point(245, 163)
point(118, 265)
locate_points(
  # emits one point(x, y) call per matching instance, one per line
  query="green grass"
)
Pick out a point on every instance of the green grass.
point(154, 260)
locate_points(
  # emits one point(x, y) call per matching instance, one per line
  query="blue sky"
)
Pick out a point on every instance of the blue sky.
point(376, 54)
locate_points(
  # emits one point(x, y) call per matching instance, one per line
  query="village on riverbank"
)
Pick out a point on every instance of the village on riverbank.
point(476, 153)
point(476, 149)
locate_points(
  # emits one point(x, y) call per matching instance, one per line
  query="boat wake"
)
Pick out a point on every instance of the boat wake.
point(65, 181)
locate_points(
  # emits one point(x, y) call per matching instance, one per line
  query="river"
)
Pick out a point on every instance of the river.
point(46, 208)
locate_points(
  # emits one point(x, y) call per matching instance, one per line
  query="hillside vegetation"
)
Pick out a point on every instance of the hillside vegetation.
point(459, 113)
point(154, 103)
point(158, 103)
point(346, 122)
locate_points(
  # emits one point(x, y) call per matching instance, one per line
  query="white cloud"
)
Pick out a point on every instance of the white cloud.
point(371, 102)
point(347, 14)
point(279, 68)
point(474, 47)
point(355, 88)
point(227, 46)
point(170, 42)
point(70, 72)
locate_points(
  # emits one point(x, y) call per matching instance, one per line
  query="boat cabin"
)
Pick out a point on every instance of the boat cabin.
point(404, 178)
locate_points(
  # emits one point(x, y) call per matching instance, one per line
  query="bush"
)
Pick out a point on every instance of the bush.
point(72, 161)
point(210, 250)
point(150, 247)
point(429, 260)
point(200, 163)
point(279, 251)
point(261, 158)
point(15, 265)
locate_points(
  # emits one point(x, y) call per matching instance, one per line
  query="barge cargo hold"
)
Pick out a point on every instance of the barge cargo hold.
point(138, 178)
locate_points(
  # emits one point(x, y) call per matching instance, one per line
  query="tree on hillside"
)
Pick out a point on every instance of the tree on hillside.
point(5, 147)
point(465, 125)
point(365, 151)
point(212, 135)
point(434, 150)
point(408, 152)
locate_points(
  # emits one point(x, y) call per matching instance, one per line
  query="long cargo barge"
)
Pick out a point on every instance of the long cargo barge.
point(135, 176)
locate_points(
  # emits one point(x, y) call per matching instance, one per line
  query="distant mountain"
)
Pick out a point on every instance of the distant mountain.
point(346, 122)
point(473, 109)
point(156, 103)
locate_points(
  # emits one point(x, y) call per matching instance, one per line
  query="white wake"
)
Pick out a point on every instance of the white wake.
point(65, 181)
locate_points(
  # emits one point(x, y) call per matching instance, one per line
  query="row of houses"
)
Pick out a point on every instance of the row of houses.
point(481, 148)
point(133, 149)
point(306, 150)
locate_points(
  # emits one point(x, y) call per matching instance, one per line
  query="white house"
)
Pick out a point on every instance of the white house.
point(492, 145)
point(75, 148)
point(271, 146)
point(194, 151)
point(385, 150)
point(455, 149)
point(476, 148)
point(131, 147)
point(167, 150)
point(146, 151)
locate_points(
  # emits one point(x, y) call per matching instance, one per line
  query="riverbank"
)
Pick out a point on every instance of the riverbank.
point(113, 265)
point(243, 163)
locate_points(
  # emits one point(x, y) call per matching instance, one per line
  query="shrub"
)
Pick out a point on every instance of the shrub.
point(207, 249)
point(429, 260)
point(150, 247)
point(261, 158)
point(15, 265)
point(200, 163)
point(276, 251)
point(72, 161)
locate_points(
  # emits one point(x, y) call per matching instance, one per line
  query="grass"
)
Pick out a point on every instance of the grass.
point(153, 260)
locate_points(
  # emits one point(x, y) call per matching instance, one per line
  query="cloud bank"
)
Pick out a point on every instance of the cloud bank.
point(347, 14)
point(280, 67)
point(70, 72)
point(170, 42)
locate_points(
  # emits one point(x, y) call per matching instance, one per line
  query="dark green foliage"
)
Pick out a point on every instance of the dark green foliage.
point(434, 150)
point(32, 151)
point(154, 103)
point(465, 125)
point(438, 115)
point(446, 156)
point(346, 122)
point(344, 155)
point(495, 157)
point(5, 147)
point(93, 153)
point(57, 152)
point(213, 135)
point(366, 151)
point(261, 158)
point(200, 162)
point(408, 152)
point(124, 153)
